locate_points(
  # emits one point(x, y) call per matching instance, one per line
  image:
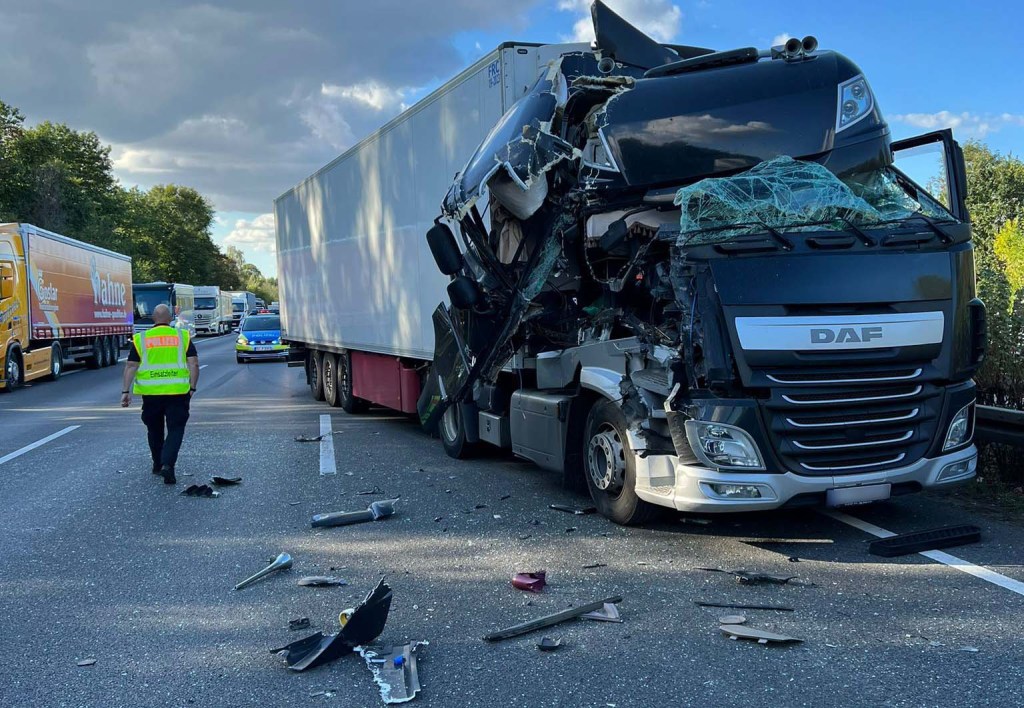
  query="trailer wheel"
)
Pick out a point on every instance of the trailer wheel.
point(110, 352)
point(453, 434)
point(14, 374)
point(611, 467)
point(56, 362)
point(348, 402)
point(95, 359)
point(314, 371)
point(329, 368)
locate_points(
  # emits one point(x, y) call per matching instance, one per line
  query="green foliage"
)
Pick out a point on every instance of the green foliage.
point(1009, 247)
point(62, 180)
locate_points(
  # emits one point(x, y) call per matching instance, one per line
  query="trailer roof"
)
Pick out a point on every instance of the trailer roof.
point(68, 240)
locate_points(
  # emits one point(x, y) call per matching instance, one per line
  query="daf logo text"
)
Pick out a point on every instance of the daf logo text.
point(844, 335)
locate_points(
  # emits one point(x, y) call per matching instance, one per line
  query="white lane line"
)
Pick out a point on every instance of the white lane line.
point(203, 367)
point(327, 463)
point(37, 443)
point(960, 564)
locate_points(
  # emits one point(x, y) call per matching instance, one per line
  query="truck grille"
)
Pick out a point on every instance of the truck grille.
point(202, 319)
point(850, 422)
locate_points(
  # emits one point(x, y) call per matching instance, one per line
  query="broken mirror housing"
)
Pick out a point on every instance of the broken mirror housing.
point(722, 446)
point(961, 428)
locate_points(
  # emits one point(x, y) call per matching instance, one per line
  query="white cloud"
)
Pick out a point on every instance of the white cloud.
point(660, 19)
point(780, 39)
point(973, 125)
point(253, 235)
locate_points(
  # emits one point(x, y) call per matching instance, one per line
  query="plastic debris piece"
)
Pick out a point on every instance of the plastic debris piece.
point(737, 631)
point(571, 529)
point(225, 481)
point(504, 497)
point(932, 539)
point(199, 490)
point(549, 620)
point(282, 562)
point(298, 623)
point(90, 662)
point(698, 522)
point(321, 581)
point(480, 506)
point(731, 606)
point(608, 613)
point(531, 582)
point(747, 577)
point(732, 619)
point(376, 511)
point(304, 438)
point(972, 650)
point(394, 670)
point(370, 492)
point(363, 625)
point(595, 565)
point(549, 643)
point(577, 511)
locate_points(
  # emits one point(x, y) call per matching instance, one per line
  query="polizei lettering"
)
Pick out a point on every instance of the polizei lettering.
point(844, 335)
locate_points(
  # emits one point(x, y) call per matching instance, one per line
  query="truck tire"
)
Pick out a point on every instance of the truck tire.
point(95, 359)
point(343, 372)
point(56, 362)
point(453, 434)
point(316, 375)
point(14, 371)
point(610, 467)
point(329, 369)
point(109, 354)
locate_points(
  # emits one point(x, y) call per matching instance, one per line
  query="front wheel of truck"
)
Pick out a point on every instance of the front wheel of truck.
point(610, 467)
point(453, 434)
point(14, 375)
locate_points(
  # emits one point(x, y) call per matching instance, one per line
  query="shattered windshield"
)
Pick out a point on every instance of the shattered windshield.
point(783, 193)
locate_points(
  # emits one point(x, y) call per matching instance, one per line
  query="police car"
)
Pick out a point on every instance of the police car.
point(260, 338)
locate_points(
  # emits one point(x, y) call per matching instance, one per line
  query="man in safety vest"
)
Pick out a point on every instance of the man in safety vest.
point(164, 366)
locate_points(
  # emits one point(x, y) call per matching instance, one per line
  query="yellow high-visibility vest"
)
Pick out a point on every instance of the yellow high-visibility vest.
point(162, 369)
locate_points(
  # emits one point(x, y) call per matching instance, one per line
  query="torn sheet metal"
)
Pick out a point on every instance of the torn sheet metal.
point(608, 613)
point(737, 631)
point(394, 670)
point(363, 625)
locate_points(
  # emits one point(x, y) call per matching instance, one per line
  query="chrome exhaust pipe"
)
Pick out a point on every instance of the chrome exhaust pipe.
point(809, 44)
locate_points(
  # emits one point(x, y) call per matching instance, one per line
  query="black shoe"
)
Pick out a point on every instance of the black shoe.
point(156, 468)
point(168, 473)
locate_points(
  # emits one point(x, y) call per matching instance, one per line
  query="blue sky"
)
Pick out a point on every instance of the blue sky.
point(243, 99)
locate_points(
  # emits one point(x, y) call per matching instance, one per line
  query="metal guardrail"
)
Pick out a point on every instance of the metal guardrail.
point(999, 425)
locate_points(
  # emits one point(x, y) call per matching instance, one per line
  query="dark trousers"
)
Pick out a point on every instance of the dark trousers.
point(161, 411)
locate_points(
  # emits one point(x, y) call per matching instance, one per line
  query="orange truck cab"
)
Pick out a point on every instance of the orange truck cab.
point(61, 300)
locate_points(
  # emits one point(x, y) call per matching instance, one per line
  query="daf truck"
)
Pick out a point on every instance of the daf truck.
point(177, 296)
point(678, 277)
point(212, 310)
point(61, 300)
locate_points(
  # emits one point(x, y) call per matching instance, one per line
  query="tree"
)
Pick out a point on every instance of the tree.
point(1009, 248)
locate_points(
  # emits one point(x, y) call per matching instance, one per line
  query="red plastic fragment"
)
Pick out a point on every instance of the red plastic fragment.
point(531, 582)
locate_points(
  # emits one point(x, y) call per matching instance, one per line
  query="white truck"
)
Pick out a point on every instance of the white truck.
point(242, 301)
point(679, 277)
point(213, 310)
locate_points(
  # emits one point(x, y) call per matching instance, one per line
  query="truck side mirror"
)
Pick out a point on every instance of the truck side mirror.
point(444, 249)
point(6, 280)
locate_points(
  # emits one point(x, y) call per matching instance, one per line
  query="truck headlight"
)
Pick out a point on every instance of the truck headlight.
point(855, 102)
point(721, 445)
point(960, 429)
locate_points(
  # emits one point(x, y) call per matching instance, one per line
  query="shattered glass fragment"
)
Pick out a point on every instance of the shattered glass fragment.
point(394, 670)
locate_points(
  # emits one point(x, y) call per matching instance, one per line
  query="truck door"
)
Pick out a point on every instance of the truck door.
point(935, 162)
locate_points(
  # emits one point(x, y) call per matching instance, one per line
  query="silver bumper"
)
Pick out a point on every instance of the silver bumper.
point(663, 480)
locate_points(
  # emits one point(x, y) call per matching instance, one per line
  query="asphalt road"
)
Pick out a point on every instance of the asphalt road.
point(101, 561)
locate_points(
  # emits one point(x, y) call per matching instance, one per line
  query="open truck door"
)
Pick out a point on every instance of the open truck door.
point(935, 162)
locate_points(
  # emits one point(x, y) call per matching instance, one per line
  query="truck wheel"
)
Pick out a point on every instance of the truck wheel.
point(14, 374)
point(611, 467)
point(56, 362)
point(110, 354)
point(453, 434)
point(315, 373)
point(95, 359)
point(348, 402)
point(329, 367)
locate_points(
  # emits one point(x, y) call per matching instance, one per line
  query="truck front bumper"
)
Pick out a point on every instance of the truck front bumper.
point(665, 481)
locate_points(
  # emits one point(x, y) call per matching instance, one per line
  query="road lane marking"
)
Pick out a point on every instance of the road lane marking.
point(327, 463)
point(952, 561)
point(37, 443)
point(203, 367)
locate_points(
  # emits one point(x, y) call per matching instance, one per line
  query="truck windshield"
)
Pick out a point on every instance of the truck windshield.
point(259, 323)
point(147, 300)
point(783, 193)
point(238, 307)
point(206, 303)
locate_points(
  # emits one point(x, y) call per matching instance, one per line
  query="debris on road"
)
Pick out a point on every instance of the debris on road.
point(318, 438)
point(730, 606)
point(746, 577)
point(972, 650)
point(595, 565)
point(736, 631)
point(298, 623)
point(930, 540)
point(549, 643)
point(199, 490)
point(377, 510)
point(549, 620)
point(572, 529)
point(692, 520)
point(225, 481)
point(90, 662)
point(608, 613)
point(504, 497)
point(321, 581)
point(360, 627)
point(576, 511)
point(531, 582)
point(394, 670)
point(732, 619)
point(282, 562)
point(370, 492)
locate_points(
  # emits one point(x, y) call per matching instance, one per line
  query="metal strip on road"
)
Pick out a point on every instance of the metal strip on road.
point(327, 463)
point(952, 561)
point(37, 443)
point(203, 367)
